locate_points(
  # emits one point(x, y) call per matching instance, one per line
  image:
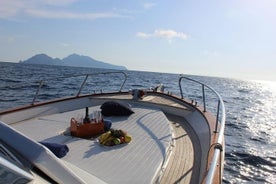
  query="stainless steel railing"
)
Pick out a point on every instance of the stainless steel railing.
point(220, 114)
point(86, 76)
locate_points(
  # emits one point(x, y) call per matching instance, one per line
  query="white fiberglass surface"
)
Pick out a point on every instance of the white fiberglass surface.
point(136, 162)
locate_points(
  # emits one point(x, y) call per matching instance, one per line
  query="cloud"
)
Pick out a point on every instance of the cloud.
point(10, 8)
point(70, 15)
point(168, 34)
point(59, 2)
point(50, 9)
point(148, 5)
point(143, 35)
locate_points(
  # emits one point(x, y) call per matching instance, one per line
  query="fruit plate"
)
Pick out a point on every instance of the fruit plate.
point(114, 137)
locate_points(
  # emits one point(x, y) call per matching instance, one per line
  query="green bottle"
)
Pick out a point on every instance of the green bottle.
point(86, 118)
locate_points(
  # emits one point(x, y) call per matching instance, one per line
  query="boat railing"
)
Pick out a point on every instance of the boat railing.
point(220, 118)
point(83, 83)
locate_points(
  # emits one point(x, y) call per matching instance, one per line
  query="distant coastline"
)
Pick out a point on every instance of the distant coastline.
point(74, 60)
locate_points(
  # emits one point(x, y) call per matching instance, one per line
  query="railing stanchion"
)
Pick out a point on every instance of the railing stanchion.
point(180, 87)
point(125, 75)
point(37, 91)
point(84, 81)
point(203, 96)
point(217, 120)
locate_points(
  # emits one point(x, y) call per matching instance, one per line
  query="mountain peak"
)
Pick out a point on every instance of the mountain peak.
point(42, 59)
point(72, 60)
point(74, 55)
point(42, 55)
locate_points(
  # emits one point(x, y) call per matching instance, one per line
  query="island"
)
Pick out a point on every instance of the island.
point(74, 60)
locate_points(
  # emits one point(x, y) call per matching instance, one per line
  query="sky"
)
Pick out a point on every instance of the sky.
point(226, 38)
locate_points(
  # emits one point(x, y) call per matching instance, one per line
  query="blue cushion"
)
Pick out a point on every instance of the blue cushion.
point(60, 150)
point(107, 124)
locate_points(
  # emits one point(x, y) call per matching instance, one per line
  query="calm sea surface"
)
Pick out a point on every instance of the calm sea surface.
point(250, 132)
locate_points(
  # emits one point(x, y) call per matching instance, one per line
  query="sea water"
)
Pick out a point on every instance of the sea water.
point(250, 109)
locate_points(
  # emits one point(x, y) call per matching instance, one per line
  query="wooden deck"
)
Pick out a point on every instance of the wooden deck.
point(184, 164)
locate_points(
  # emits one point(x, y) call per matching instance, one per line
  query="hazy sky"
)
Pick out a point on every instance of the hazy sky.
point(230, 38)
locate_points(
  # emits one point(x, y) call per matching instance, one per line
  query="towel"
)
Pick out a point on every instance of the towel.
point(60, 150)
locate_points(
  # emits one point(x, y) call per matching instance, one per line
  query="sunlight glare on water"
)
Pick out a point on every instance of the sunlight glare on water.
point(264, 118)
point(270, 85)
point(262, 125)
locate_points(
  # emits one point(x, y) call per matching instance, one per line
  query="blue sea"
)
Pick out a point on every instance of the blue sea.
point(250, 133)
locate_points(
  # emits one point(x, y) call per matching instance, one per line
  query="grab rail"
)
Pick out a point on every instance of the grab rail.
point(219, 141)
point(41, 82)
